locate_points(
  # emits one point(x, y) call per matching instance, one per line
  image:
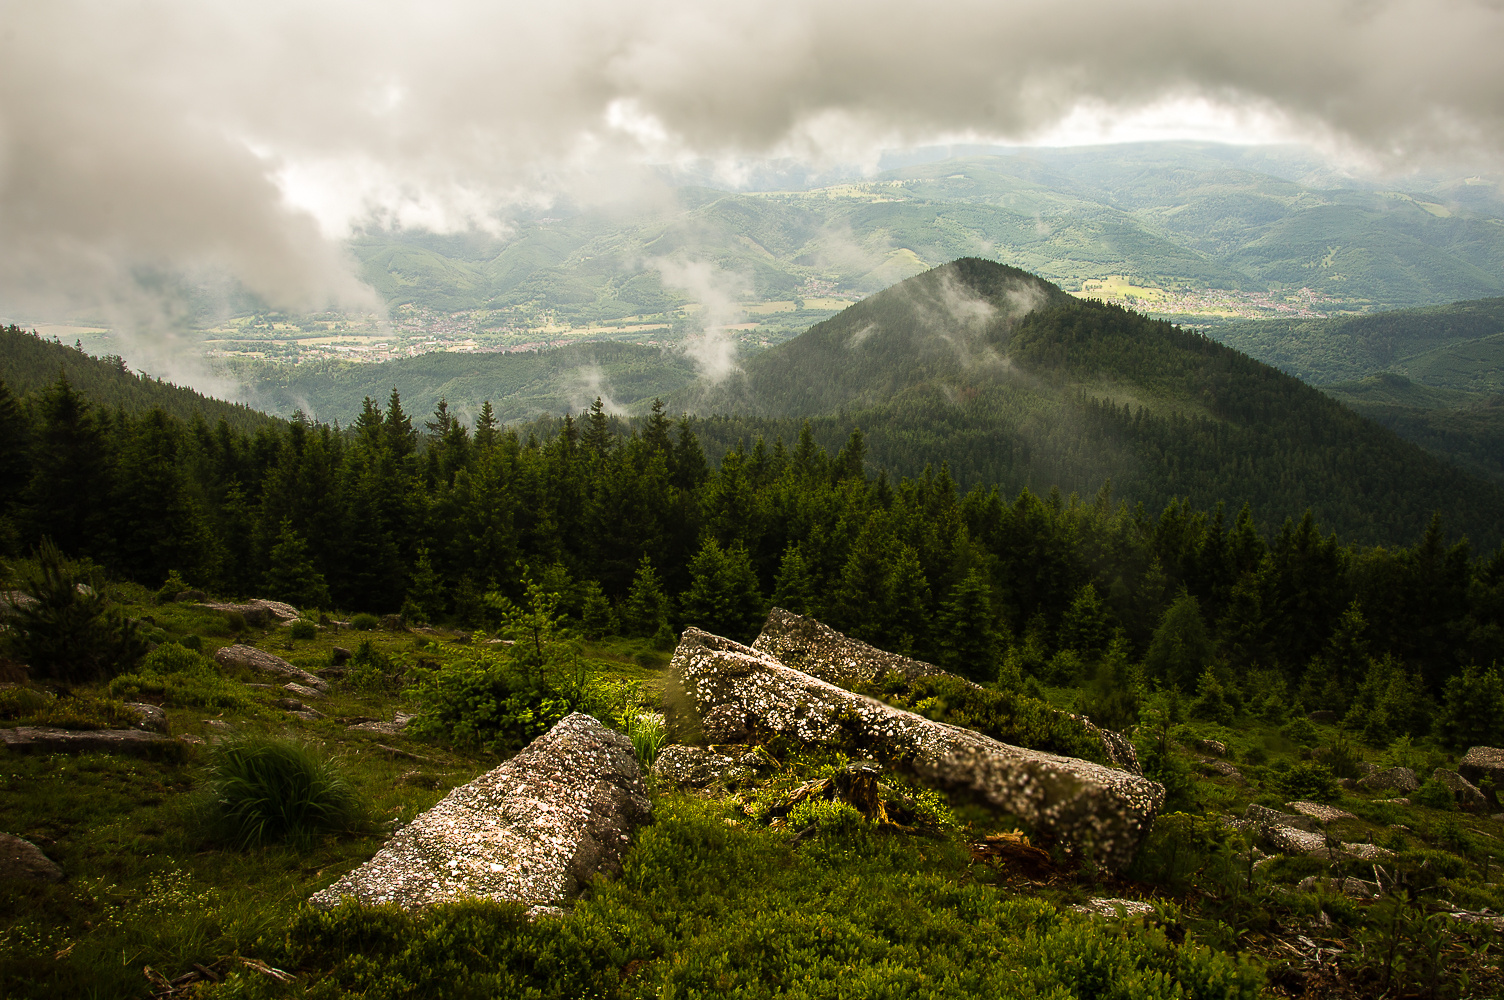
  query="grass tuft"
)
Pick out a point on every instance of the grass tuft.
point(267, 789)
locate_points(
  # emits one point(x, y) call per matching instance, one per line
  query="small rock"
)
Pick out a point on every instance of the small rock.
point(1368, 852)
point(189, 596)
point(340, 655)
point(1319, 812)
point(1465, 792)
point(1289, 840)
point(307, 714)
point(21, 859)
point(395, 727)
point(289, 704)
point(258, 613)
point(149, 716)
point(1263, 816)
point(1354, 888)
point(1222, 768)
point(1212, 746)
point(1401, 778)
point(1103, 906)
point(261, 661)
point(219, 724)
point(1347, 784)
point(1365, 768)
point(391, 623)
point(301, 690)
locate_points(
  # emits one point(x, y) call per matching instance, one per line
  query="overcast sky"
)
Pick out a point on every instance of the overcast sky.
point(244, 139)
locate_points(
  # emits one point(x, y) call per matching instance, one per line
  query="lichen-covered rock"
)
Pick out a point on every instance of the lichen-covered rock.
point(263, 662)
point(1263, 816)
point(697, 767)
point(534, 830)
point(1463, 791)
point(733, 693)
point(148, 716)
point(396, 727)
point(1290, 840)
point(259, 613)
point(1106, 906)
point(1484, 762)
point(301, 690)
point(21, 859)
point(808, 646)
point(1401, 778)
point(1320, 812)
point(38, 739)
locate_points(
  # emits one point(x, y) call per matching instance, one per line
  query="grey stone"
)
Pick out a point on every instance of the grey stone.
point(1290, 840)
point(392, 623)
point(1216, 747)
point(1263, 816)
point(1484, 762)
point(1465, 792)
point(535, 830)
point(1354, 888)
point(150, 716)
point(12, 601)
point(1104, 906)
point(1368, 852)
point(394, 728)
point(733, 693)
point(258, 613)
point(1320, 812)
point(801, 642)
point(340, 654)
point(301, 690)
point(1401, 778)
point(307, 714)
point(693, 767)
point(1222, 768)
point(190, 596)
point(263, 662)
point(21, 859)
point(37, 739)
point(1365, 768)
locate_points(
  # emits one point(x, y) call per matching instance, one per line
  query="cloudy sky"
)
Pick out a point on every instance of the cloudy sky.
point(243, 139)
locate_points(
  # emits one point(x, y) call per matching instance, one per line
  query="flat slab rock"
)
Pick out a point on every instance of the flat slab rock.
point(258, 612)
point(1320, 812)
point(1105, 906)
point(39, 739)
point(534, 830)
point(805, 644)
point(396, 727)
point(21, 859)
point(261, 661)
point(739, 694)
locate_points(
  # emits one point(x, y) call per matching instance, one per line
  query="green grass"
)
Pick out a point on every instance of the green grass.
point(261, 790)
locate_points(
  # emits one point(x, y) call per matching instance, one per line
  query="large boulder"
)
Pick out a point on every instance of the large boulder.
point(258, 613)
point(808, 646)
point(40, 739)
point(1465, 792)
point(263, 662)
point(1484, 762)
point(535, 830)
point(1401, 778)
point(725, 692)
point(21, 859)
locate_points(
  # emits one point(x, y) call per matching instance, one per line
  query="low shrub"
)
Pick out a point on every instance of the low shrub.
point(303, 629)
point(265, 789)
point(180, 677)
point(364, 622)
point(1434, 795)
point(1308, 780)
point(38, 708)
point(648, 731)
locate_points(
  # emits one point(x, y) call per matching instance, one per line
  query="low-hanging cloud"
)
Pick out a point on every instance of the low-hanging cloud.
point(718, 295)
point(205, 136)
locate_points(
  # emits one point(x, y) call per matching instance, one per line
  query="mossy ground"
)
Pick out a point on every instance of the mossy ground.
point(713, 902)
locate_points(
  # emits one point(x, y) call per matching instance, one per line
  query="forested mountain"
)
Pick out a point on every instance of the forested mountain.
point(29, 364)
point(1016, 384)
point(518, 385)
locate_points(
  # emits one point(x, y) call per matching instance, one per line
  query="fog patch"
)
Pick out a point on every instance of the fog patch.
point(588, 384)
point(712, 346)
point(856, 339)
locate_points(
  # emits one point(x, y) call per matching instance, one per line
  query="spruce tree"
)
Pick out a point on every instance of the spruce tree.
point(1181, 648)
point(907, 630)
point(723, 597)
point(646, 611)
point(597, 620)
point(485, 429)
point(967, 635)
point(1085, 626)
point(794, 588)
point(291, 575)
point(425, 590)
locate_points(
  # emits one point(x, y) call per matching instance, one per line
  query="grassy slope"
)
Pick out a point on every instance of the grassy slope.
point(711, 903)
point(1021, 403)
point(29, 364)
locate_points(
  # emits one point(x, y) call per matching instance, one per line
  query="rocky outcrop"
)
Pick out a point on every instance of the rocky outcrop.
point(1485, 762)
point(818, 650)
point(731, 693)
point(1401, 778)
point(1300, 833)
point(258, 613)
point(149, 716)
point(1320, 812)
point(37, 739)
point(697, 767)
point(263, 662)
point(1463, 791)
point(535, 830)
point(21, 859)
